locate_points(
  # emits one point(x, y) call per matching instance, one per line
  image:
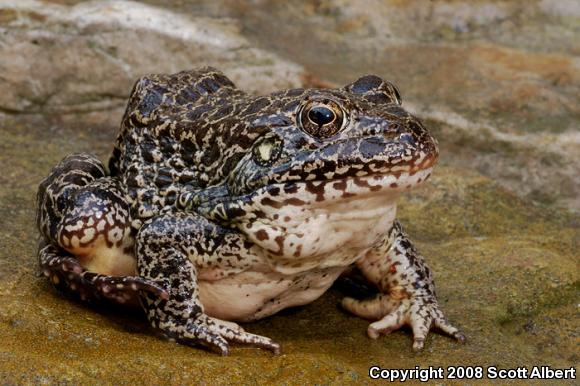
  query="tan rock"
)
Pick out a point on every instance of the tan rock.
point(85, 58)
point(500, 80)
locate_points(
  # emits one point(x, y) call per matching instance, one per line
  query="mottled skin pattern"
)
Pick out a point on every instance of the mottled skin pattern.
point(219, 205)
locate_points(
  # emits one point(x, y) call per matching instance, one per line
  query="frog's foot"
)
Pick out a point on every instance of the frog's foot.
point(391, 313)
point(216, 334)
point(69, 276)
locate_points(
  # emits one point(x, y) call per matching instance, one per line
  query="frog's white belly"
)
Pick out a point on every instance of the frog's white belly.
point(333, 237)
point(253, 295)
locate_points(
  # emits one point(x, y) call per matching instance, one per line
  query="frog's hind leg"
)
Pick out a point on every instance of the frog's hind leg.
point(87, 246)
point(407, 291)
point(67, 275)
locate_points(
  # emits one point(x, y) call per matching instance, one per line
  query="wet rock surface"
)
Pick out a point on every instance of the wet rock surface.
point(497, 82)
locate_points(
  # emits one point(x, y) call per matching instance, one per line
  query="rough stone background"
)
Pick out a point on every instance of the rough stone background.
point(498, 82)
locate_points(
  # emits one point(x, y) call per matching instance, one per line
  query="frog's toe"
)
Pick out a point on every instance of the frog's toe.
point(69, 276)
point(441, 322)
point(65, 273)
point(214, 334)
point(122, 289)
point(424, 313)
point(199, 333)
point(255, 341)
point(232, 332)
point(421, 314)
point(386, 325)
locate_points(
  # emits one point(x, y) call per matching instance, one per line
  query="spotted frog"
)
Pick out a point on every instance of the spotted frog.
point(219, 206)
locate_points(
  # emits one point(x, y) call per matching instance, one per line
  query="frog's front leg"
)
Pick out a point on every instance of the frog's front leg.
point(170, 249)
point(407, 291)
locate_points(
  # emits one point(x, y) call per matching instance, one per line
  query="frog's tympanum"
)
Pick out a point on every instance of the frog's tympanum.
point(219, 206)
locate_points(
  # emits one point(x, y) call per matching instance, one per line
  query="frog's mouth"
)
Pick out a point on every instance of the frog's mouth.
point(377, 155)
point(342, 171)
point(283, 200)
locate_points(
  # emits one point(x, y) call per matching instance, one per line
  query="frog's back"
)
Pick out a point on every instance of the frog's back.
point(171, 136)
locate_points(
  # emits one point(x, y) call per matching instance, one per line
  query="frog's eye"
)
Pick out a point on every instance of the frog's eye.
point(267, 150)
point(321, 118)
point(375, 89)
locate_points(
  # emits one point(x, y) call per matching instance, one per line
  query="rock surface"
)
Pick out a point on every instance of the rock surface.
point(80, 62)
point(497, 81)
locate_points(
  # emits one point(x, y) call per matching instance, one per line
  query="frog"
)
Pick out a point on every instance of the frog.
point(221, 207)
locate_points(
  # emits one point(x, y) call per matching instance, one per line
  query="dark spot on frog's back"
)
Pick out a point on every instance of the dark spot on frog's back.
point(317, 189)
point(267, 201)
point(295, 92)
point(416, 128)
point(187, 95)
point(294, 201)
point(331, 150)
point(290, 188)
point(151, 101)
point(148, 146)
point(274, 191)
point(187, 150)
point(210, 155)
point(223, 111)
point(197, 112)
point(164, 177)
point(167, 144)
point(212, 84)
point(170, 197)
point(257, 105)
point(237, 212)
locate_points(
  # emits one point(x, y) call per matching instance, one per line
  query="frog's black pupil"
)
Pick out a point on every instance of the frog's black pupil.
point(321, 115)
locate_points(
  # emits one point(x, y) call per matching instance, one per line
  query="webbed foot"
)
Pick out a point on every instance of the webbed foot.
point(421, 313)
point(217, 334)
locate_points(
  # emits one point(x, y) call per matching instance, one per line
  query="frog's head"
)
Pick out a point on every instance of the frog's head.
point(318, 146)
point(320, 135)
